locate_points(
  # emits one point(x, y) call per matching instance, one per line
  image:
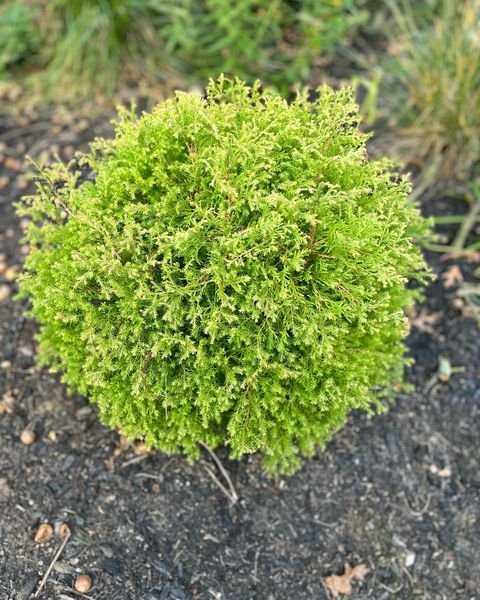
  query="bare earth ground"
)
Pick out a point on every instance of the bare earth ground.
point(398, 492)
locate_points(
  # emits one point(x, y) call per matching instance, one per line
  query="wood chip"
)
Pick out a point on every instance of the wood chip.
point(63, 530)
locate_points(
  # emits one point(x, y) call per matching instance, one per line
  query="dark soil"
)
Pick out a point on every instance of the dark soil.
point(399, 492)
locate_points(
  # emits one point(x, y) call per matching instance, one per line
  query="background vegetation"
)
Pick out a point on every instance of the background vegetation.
point(419, 62)
point(76, 47)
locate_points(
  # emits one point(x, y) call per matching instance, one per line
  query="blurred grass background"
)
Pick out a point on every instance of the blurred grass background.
point(76, 47)
point(416, 65)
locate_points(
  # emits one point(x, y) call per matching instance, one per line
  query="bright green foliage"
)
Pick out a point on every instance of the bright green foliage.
point(235, 272)
point(93, 45)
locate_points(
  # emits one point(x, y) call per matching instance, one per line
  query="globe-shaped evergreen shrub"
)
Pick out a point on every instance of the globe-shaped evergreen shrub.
point(229, 269)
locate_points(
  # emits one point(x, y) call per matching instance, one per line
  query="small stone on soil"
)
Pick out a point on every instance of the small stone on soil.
point(445, 472)
point(13, 164)
point(409, 559)
point(27, 437)
point(10, 274)
point(83, 584)
point(5, 292)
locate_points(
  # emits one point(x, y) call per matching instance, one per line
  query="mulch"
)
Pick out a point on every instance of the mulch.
point(398, 492)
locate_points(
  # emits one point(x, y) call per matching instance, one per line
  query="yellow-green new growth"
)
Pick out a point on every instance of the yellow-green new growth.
point(235, 272)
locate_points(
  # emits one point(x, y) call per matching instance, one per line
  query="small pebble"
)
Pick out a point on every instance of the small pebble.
point(81, 126)
point(5, 292)
point(27, 437)
point(12, 163)
point(409, 559)
point(44, 533)
point(62, 567)
point(10, 274)
point(5, 490)
point(83, 584)
point(68, 151)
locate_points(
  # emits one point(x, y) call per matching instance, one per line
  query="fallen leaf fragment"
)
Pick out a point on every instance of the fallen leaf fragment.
point(472, 256)
point(123, 444)
point(141, 449)
point(342, 584)
point(452, 277)
point(424, 321)
point(83, 584)
point(44, 533)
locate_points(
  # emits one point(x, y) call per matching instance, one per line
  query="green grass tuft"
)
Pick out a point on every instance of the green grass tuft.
point(434, 88)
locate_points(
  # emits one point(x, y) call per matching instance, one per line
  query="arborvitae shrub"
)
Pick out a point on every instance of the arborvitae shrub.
point(226, 270)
